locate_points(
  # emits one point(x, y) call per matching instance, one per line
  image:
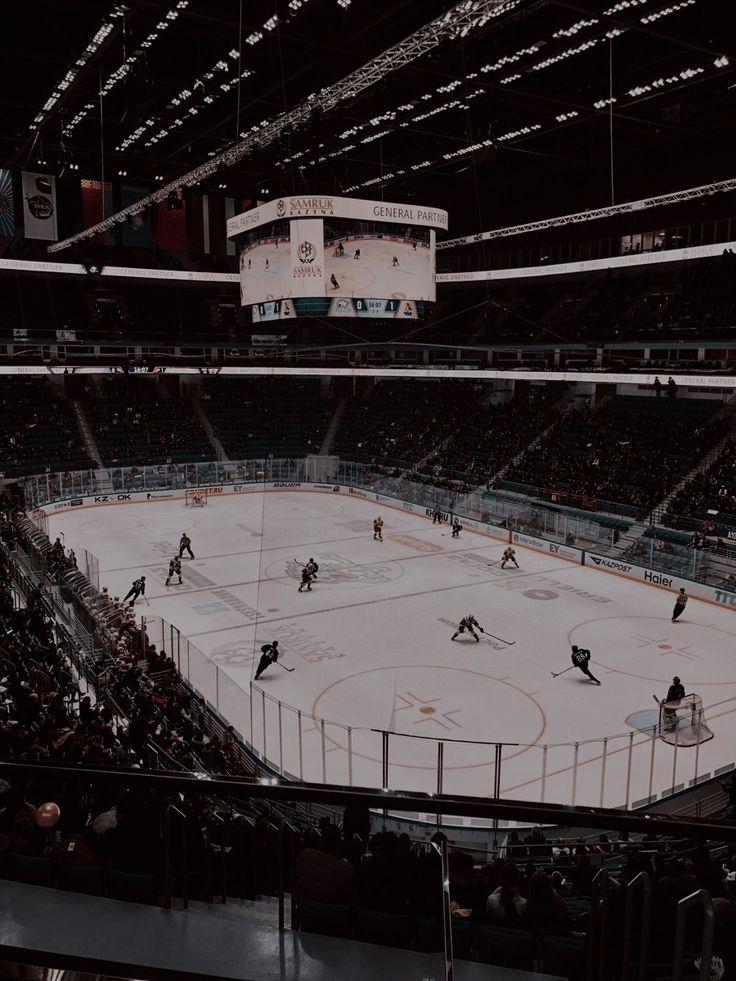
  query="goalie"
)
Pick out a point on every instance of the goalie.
point(675, 693)
point(468, 623)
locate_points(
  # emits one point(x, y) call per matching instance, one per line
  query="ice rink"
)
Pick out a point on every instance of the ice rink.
point(371, 649)
point(374, 275)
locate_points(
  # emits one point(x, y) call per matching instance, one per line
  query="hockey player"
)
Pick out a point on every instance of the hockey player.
point(394, 262)
point(138, 588)
point(581, 658)
point(334, 282)
point(680, 604)
point(174, 570)
point(185, 545)
point(356, 254)
point(509, 555)
point(312, 568)
point(456, 528)
point(269, 654)
point(306, 580)
point(436, 515)
point(675, 693)
point(468, 623)
point(377, 526)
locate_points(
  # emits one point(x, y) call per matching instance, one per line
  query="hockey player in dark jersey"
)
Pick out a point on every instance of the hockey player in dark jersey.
point(675, 693)
point(377, 529)
point(509, 555)
point(456, 528)
point(269, 654)
point(174, 570)
point(468, 623)
point(185, 545)
point(306, 580)
point(138, 588)
point(581, 658)
point(312, 568)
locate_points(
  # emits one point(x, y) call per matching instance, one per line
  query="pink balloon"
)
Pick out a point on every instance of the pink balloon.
point(48, 815)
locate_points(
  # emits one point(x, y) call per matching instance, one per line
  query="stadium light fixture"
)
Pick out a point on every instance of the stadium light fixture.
point(473, 14)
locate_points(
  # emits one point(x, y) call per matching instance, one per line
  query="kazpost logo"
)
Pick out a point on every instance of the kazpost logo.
point(610, 563)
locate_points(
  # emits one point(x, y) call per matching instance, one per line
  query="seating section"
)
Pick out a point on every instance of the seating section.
point(489, 437)
point(399, 424)
point(631, 450)
point(263, 417)
point(141, 422)
point(38, 430)
point(709, 491)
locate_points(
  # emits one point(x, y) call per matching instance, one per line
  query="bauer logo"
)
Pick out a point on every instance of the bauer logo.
point(610, 563)
point(287, 484)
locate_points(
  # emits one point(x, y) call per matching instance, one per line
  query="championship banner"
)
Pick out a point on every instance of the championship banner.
point(7, 204)
point(39, 206)
point(307, 258)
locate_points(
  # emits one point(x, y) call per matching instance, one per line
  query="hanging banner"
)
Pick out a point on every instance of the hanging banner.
point(136, 231)
point(96, 205)
point(39, 206)
point(171, 225)
point(7, 204)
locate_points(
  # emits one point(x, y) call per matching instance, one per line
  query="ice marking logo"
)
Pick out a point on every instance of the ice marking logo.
point(307, 253)
point(336, 569)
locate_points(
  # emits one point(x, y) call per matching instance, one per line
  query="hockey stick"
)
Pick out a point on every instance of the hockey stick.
point(509, 642)
point(146, 599)
point(557, 675)
point(284, 666)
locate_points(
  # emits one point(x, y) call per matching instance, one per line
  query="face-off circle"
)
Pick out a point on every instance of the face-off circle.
point(654, 649)
point(443, 703)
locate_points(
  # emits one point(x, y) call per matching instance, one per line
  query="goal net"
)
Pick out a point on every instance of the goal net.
point(682, 722)
point(195, 497)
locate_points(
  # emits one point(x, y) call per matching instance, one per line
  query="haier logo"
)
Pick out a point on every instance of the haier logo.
point(657, 578)
point(610, 564)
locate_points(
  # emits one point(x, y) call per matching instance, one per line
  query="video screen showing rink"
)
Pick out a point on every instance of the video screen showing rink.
point(370, 689)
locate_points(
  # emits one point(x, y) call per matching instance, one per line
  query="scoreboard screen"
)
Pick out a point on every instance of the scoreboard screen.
point(338, 306)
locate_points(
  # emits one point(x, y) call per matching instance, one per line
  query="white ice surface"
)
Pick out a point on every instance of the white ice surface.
point(371, 646)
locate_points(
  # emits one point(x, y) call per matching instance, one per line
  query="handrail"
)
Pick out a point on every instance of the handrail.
point(643, 883)
point(214, 816)
point(282, 837)
point(335, 795)
point(698, 898)
point(598, 924)
point(441, 850)
point(171, 810)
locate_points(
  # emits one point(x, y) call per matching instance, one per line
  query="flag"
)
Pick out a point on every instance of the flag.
point(39, 206)
point(171, 224)
point(96, 205)
point(137, 230)
point(7, 204)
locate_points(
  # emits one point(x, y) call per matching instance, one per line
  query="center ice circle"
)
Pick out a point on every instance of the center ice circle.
point(442, 703)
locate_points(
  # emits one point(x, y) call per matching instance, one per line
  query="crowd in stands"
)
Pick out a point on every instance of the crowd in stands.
point(139, 421)
point(38, 431)
point(401, 426)
point(710, 490)
point(279, 417)
point(630, 450)
point(488, 437)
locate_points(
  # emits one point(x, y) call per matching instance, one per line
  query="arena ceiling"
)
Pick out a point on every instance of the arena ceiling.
point(510, 121)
